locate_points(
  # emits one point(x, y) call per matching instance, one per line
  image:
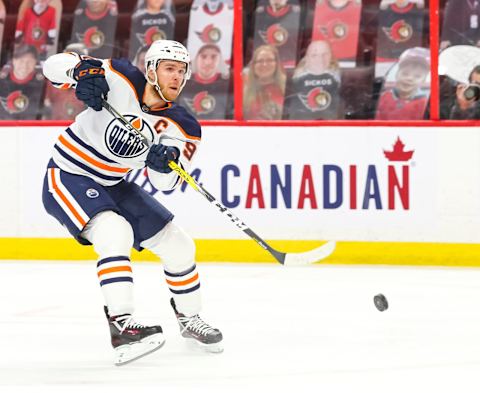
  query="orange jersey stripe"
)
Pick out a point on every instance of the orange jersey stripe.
point(90, 159)
point(65, 200)
point(183, 131)
point(185, 282)
point(115, 269)
point(123, 77)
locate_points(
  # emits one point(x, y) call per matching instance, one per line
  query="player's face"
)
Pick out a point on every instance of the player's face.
point(170, 75)
point(318, 58)
point(97, 6)
point(24, 65)
point(208, 61)
point(265, 65)
point(410, 77)
point(155, 5)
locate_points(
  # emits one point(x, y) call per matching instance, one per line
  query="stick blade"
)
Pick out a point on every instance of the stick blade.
point(309, 257)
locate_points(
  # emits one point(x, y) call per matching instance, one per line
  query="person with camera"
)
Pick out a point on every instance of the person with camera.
point(466, 103)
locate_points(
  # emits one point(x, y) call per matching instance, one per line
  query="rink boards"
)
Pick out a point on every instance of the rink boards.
point(396, 195)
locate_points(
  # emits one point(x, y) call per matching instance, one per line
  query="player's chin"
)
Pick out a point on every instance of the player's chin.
point(172, 94)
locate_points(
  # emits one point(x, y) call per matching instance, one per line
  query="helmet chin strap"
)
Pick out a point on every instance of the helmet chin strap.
point(156, 86)
point(159, 91)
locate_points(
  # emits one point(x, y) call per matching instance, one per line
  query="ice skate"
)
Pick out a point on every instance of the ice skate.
point(194, 328)
point(131, 340)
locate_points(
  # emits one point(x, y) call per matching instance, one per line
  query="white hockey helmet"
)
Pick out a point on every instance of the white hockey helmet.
point(166, 50)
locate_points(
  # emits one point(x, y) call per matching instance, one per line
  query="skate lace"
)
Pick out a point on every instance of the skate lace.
point(127, 322)
point(196, 324)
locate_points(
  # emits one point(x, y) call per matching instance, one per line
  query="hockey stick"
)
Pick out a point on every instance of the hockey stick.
point(287, 259)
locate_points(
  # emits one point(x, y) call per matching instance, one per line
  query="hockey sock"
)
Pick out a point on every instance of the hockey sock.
point(177, 251)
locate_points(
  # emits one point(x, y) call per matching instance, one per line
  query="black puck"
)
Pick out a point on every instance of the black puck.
point(380, 302)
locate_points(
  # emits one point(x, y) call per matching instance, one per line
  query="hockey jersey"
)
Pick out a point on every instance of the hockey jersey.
point(97, 32)
point(392, 107)
point(339, 26)
point(211, 26)
point(316, 97)
point(279, 28)
point(398, 30)
point(38, 30)
point(20, 99)
point(147, 28)
point(96, 145)
point(207, 99)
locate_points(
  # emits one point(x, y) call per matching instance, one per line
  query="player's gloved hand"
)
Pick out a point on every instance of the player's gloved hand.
point(91, 83)
point(159, 156)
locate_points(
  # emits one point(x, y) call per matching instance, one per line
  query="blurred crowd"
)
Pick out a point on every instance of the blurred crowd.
point(303, 59)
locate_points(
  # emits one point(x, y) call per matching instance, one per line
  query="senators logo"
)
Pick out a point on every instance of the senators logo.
point(92, 38)
point(202, 103)
point(339, 29)
point(124, 142)
point(275, 35)
point(316, 100)
point(15, 102)
point(37, 33)
point(152, 34)
point(400, 31)
point(210, 34)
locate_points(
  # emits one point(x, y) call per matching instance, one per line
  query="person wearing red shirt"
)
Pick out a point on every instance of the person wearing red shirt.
point(38, 28)
point(408, 98)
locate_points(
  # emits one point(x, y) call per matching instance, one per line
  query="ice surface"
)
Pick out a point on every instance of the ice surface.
point(311, 329)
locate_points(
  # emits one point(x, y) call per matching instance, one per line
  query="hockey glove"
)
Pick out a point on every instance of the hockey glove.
point(91, 83)
point(159, 156)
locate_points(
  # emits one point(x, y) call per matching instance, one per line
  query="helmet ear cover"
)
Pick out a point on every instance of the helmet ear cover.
point(166, 50)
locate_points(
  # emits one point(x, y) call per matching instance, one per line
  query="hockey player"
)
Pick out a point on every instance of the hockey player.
point(85, 190)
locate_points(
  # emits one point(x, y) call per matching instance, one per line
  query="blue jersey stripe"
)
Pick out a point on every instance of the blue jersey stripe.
point(180, 274)
point(192, 289)
point(113, 259)
point(85, 167)
point(88, 147)
point(116, 279)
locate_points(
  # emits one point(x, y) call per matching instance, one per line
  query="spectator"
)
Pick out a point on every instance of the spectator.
point(38, 27)
point(206, 95)
point(467, 96)
point(461, 24)
point(94, 25)
point(139, 59)
point(61, 103)
point(407, 99)
point(316, 85)
point(264, 88)
point(152, 20)
point(21, 86)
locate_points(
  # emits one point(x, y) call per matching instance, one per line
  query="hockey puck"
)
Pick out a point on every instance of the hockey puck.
point(380, 302)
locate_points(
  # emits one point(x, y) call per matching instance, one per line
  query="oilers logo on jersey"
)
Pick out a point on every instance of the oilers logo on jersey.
point(125, 143)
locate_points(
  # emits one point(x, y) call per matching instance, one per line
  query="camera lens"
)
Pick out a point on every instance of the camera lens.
point(472, 92)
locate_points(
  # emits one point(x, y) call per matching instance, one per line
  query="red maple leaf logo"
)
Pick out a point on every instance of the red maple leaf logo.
point(398, 153)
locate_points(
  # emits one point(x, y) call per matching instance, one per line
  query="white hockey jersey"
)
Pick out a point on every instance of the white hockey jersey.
point(96, 145)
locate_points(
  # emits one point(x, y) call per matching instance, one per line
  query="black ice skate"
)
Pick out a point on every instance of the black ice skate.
point(131, 340)
point(201, 332)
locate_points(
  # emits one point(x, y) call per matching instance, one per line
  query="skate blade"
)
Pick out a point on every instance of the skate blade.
point(210, 348)
point(128, 353)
